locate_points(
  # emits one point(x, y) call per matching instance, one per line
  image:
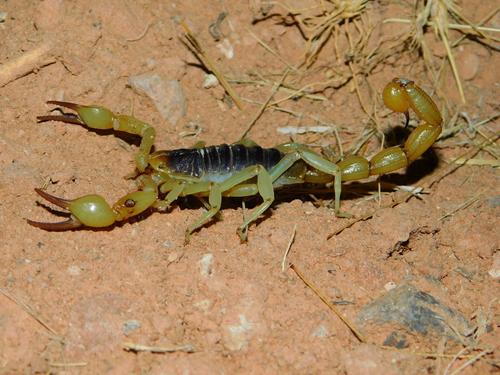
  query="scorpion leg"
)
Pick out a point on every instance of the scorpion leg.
point(315, 160)
point(97, 117)
point(232, 187)
point(175, 189)
point(265, 189)
point(268, 180)
point(94, 211)
point(214, 201)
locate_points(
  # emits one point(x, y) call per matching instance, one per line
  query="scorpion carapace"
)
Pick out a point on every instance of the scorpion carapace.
point(239, 170)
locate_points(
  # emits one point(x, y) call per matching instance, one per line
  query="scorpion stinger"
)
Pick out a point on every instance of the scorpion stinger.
point(241, 169)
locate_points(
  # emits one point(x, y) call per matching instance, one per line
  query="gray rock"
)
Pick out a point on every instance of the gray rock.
point(417, 312)
point(168, 97)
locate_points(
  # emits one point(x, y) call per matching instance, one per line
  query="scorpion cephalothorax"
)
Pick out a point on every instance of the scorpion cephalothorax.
point(239, 170)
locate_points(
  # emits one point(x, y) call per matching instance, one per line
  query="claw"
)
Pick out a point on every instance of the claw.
point(64, 225)
point(93, 116)
point(90, 210)
point(93, 211)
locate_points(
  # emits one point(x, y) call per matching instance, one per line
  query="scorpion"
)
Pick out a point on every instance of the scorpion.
point(241, 169)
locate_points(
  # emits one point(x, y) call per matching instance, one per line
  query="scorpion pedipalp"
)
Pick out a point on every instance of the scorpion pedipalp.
point(97, 117)
point(90, 210)
point(93, 116)
point(93, 211)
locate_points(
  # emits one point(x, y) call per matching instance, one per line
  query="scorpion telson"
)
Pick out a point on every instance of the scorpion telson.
point(239, 170)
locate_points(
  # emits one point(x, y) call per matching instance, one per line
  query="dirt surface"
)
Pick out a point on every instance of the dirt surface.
point(72, 299)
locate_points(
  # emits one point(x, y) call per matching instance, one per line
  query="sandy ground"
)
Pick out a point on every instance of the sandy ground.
point(420, 277)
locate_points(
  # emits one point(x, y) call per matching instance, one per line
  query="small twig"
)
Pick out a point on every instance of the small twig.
point(143, 34)
point(52, 337)
point(477, 28)
point(455, 357)
point(451, 59)
point(129, 346)
point(471, 361)
point(298, 93)
point(358, 335)
point(194, 42)
point(488, 162)
point(271, 51)
point(294, 92)
point(430, 355)
point(263, 107)
point(462, 206)
point(358, 92)
point(455, 26)
point(290, 243)
point(303, 129)
point(214, 28)
point(68, 364)
point(43, 55)
point(14, 298)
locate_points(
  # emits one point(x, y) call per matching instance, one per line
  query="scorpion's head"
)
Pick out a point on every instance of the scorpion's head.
point(159, 161)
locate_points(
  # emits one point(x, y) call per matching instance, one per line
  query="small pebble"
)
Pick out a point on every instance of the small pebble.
point(205, 264)
point(390, 285)
point(210, 81)
point(168, 97)
point(74, 270)
point(226, 48)
point(130, 326)
point(468, 64)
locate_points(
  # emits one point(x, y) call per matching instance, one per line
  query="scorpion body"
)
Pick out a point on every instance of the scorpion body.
point(238, 170)
point(217, 163)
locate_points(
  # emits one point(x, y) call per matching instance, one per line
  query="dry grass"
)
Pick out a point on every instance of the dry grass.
point(339, 44)
point(436, 15)
point(342, 42)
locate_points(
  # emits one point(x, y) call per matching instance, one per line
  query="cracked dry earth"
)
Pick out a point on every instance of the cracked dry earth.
point(419, 277)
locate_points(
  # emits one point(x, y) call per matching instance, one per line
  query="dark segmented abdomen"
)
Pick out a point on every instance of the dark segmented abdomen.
point(218, 163)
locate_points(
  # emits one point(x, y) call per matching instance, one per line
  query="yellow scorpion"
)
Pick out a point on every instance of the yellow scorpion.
point(241, 169)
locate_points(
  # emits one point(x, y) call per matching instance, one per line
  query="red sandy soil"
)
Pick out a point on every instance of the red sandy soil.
point(138, 283)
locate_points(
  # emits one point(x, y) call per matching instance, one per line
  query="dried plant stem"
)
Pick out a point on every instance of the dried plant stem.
point(444, 36)
point(358, 335)
point(263, 107)
point(272, 51)
point(14, 298)
point(44, 54)
point(462, 206)
point(454, 26)
point(129, 346)
point(194, 42)
point(290, 243)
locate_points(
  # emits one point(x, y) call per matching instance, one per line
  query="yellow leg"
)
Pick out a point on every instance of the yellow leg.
point(230, 187)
